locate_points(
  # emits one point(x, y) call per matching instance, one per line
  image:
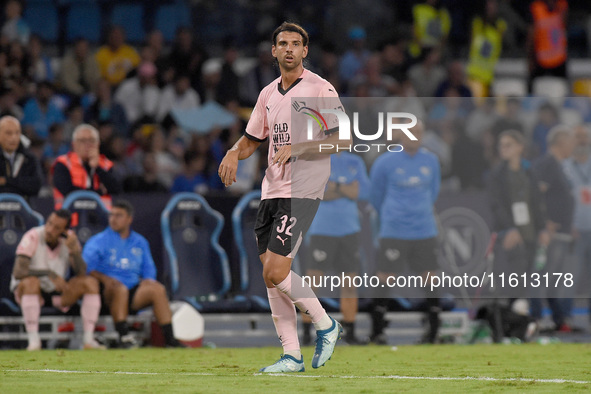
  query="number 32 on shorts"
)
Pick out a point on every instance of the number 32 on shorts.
point(284, 220)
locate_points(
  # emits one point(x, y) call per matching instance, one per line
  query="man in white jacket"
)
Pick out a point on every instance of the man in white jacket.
point(139, 96)
point(177, 95)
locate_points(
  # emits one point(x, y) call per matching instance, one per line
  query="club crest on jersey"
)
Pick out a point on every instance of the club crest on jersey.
point(300, 106)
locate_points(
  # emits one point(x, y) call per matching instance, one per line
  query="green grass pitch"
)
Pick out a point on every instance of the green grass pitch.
point(426, 368)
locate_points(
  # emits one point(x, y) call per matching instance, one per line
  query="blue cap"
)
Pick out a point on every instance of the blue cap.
point(357, 33)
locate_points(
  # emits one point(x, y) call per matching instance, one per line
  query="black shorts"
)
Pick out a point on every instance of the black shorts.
point(132, 292)
point(397, 255)
point(48, 297)
point(335, 254)
point(282, 224)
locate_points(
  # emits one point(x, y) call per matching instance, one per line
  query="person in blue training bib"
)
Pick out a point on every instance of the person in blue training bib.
point(334, 236)
point(122, 262)
point(404, 188)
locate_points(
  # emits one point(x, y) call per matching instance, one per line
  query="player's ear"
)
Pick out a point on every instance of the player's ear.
point(273, 51)
point(305, 52)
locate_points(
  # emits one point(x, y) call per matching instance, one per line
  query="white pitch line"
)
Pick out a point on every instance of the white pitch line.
point(482, 378)
point(110, 372)
point(399, 377)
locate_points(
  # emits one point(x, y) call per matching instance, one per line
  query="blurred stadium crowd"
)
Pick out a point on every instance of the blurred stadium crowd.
point(142, 72)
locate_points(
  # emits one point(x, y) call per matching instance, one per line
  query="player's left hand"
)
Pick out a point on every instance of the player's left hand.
point(72, 242)
point(282, 156)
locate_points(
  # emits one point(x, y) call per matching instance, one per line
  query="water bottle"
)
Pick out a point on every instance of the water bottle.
point(541, 258)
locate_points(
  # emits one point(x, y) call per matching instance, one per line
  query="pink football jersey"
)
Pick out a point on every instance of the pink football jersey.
point(274, 118)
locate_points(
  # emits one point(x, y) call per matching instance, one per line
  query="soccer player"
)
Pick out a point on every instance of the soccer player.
point(121, 260)
point(291, 191)
point(43, 257)
point(404, 187)
point(334, 235)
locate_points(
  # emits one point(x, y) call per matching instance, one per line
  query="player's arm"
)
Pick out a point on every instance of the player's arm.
point(330, 145)
point(242, 149)
point(104, 279)
point(76, 261)
point(21, 269)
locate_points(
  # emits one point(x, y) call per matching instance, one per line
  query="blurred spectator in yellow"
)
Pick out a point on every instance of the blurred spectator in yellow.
point(485, 47)
point(431, 26)
point(116, 58)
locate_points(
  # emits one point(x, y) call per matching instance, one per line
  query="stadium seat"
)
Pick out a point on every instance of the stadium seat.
point(554, 87)
point(131, 18)
point(16, 218)
point(199, 267)
point(42, 19)
point(170, 17)
point(89, 214)
point(251, 269)
point(503, 87)
point(515, 68)
point(84, 21)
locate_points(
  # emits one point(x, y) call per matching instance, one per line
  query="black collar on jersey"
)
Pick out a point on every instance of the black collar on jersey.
point(283, 91)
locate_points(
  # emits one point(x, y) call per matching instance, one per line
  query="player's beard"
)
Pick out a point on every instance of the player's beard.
point(289, 67)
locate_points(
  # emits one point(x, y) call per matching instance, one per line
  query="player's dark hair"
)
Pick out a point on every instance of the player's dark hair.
point(125, 205)
point(64, 214)
point(293, 27)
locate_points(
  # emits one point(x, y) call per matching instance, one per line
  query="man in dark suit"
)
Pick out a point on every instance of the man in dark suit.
point(20, 172)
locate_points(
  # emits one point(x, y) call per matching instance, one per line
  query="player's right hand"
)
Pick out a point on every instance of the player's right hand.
point(228, 168)
point(72, 242)
point(93, 159)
